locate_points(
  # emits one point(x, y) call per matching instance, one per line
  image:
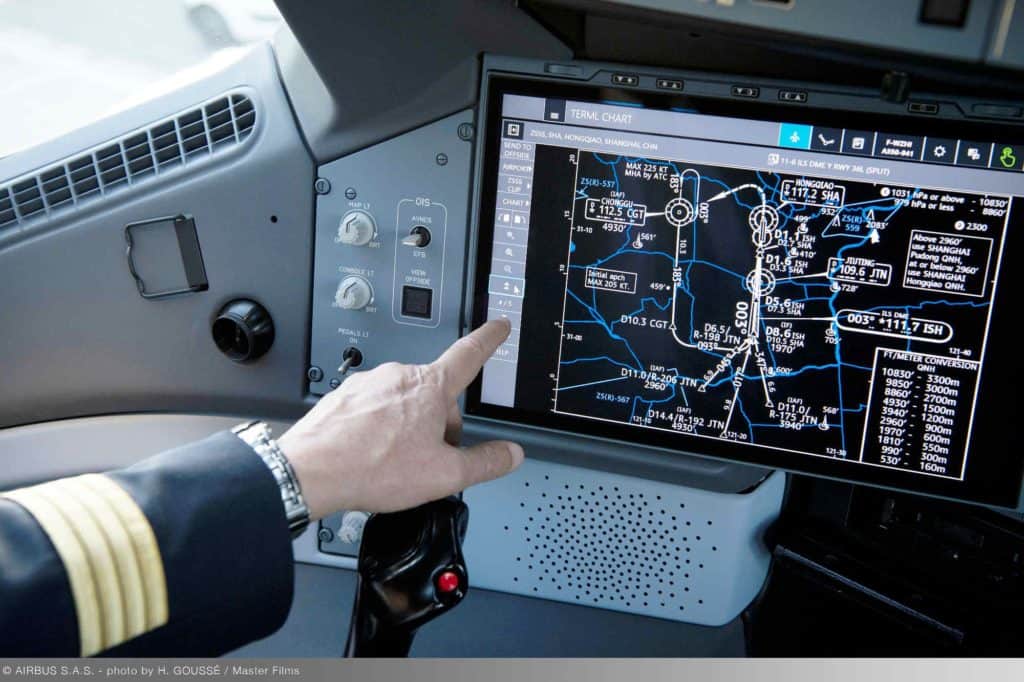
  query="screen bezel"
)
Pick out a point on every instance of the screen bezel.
point(994, 480)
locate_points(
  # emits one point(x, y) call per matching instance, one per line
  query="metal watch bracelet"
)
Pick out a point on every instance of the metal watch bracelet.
point(256, 434)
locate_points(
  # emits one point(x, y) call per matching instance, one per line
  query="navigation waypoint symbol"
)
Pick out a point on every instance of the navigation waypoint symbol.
point(762, 220)
point(959, 225)
point(823, 424)
point(679, 212)
point(763, 217)
point(759, 283)
point(874, 236)
point(761, 237)
point(834, 286)
point(885, 191)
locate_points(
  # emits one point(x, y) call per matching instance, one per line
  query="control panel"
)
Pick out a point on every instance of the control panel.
point(390, 248)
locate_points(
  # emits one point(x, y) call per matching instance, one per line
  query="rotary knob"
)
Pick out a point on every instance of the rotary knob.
point(354, 293)
point(357, 228)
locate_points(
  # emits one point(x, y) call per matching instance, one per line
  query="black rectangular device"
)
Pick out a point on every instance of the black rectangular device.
point(823, 289)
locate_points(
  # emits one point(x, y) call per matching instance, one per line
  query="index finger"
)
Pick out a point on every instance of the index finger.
point(459, 365)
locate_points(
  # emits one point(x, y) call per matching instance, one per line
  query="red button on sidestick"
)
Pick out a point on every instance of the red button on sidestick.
point(448, 581)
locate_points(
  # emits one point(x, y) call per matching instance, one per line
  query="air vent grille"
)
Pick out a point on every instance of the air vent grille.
point(214, 126)
point(28, 200)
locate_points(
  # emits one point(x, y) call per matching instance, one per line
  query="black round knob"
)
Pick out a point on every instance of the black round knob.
point(243, 330)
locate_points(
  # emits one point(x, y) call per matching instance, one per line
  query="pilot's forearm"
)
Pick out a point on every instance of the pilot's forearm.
point(189, 547)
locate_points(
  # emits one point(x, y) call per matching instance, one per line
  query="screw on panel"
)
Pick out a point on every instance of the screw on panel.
point(314, 373)
point(441, 159)
point(322, 186)
point(325, 535)
point(350, 193)
point(335, 383)
point(466, 131)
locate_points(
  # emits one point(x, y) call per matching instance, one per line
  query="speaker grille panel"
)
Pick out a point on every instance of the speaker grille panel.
point(622, 543)
point(598, 544)
point(137, 157)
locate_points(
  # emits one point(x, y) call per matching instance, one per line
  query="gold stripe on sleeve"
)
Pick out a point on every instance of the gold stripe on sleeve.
point(99, 555)
point(147, 551)
point(133, 596)
point(76, 564)
point(110, 555)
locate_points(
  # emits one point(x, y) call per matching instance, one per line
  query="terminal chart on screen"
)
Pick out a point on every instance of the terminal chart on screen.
point(826, 317)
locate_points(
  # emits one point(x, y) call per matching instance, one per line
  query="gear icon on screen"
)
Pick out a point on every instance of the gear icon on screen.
point(940, 151)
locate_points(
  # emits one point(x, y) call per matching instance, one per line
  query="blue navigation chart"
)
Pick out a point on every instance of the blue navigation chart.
point(825, 317)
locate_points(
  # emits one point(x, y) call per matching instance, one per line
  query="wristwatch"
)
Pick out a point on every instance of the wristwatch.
point(256, 434)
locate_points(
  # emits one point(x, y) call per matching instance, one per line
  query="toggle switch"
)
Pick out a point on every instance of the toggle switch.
point(352, 357)
point(419, 237)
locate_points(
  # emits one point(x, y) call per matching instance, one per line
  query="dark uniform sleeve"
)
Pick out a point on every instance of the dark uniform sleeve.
point(185, 553)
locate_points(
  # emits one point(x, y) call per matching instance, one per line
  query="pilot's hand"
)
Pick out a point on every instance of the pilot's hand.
point(387, 439)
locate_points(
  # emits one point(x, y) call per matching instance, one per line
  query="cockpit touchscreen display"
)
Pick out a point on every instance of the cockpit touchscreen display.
point(793, 293)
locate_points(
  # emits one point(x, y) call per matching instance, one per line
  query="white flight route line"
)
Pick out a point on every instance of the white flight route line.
point(761, 220)
point(591, 383)
point(565, 292)
point(760, 234)
point(676, 272)
point(761, 228)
